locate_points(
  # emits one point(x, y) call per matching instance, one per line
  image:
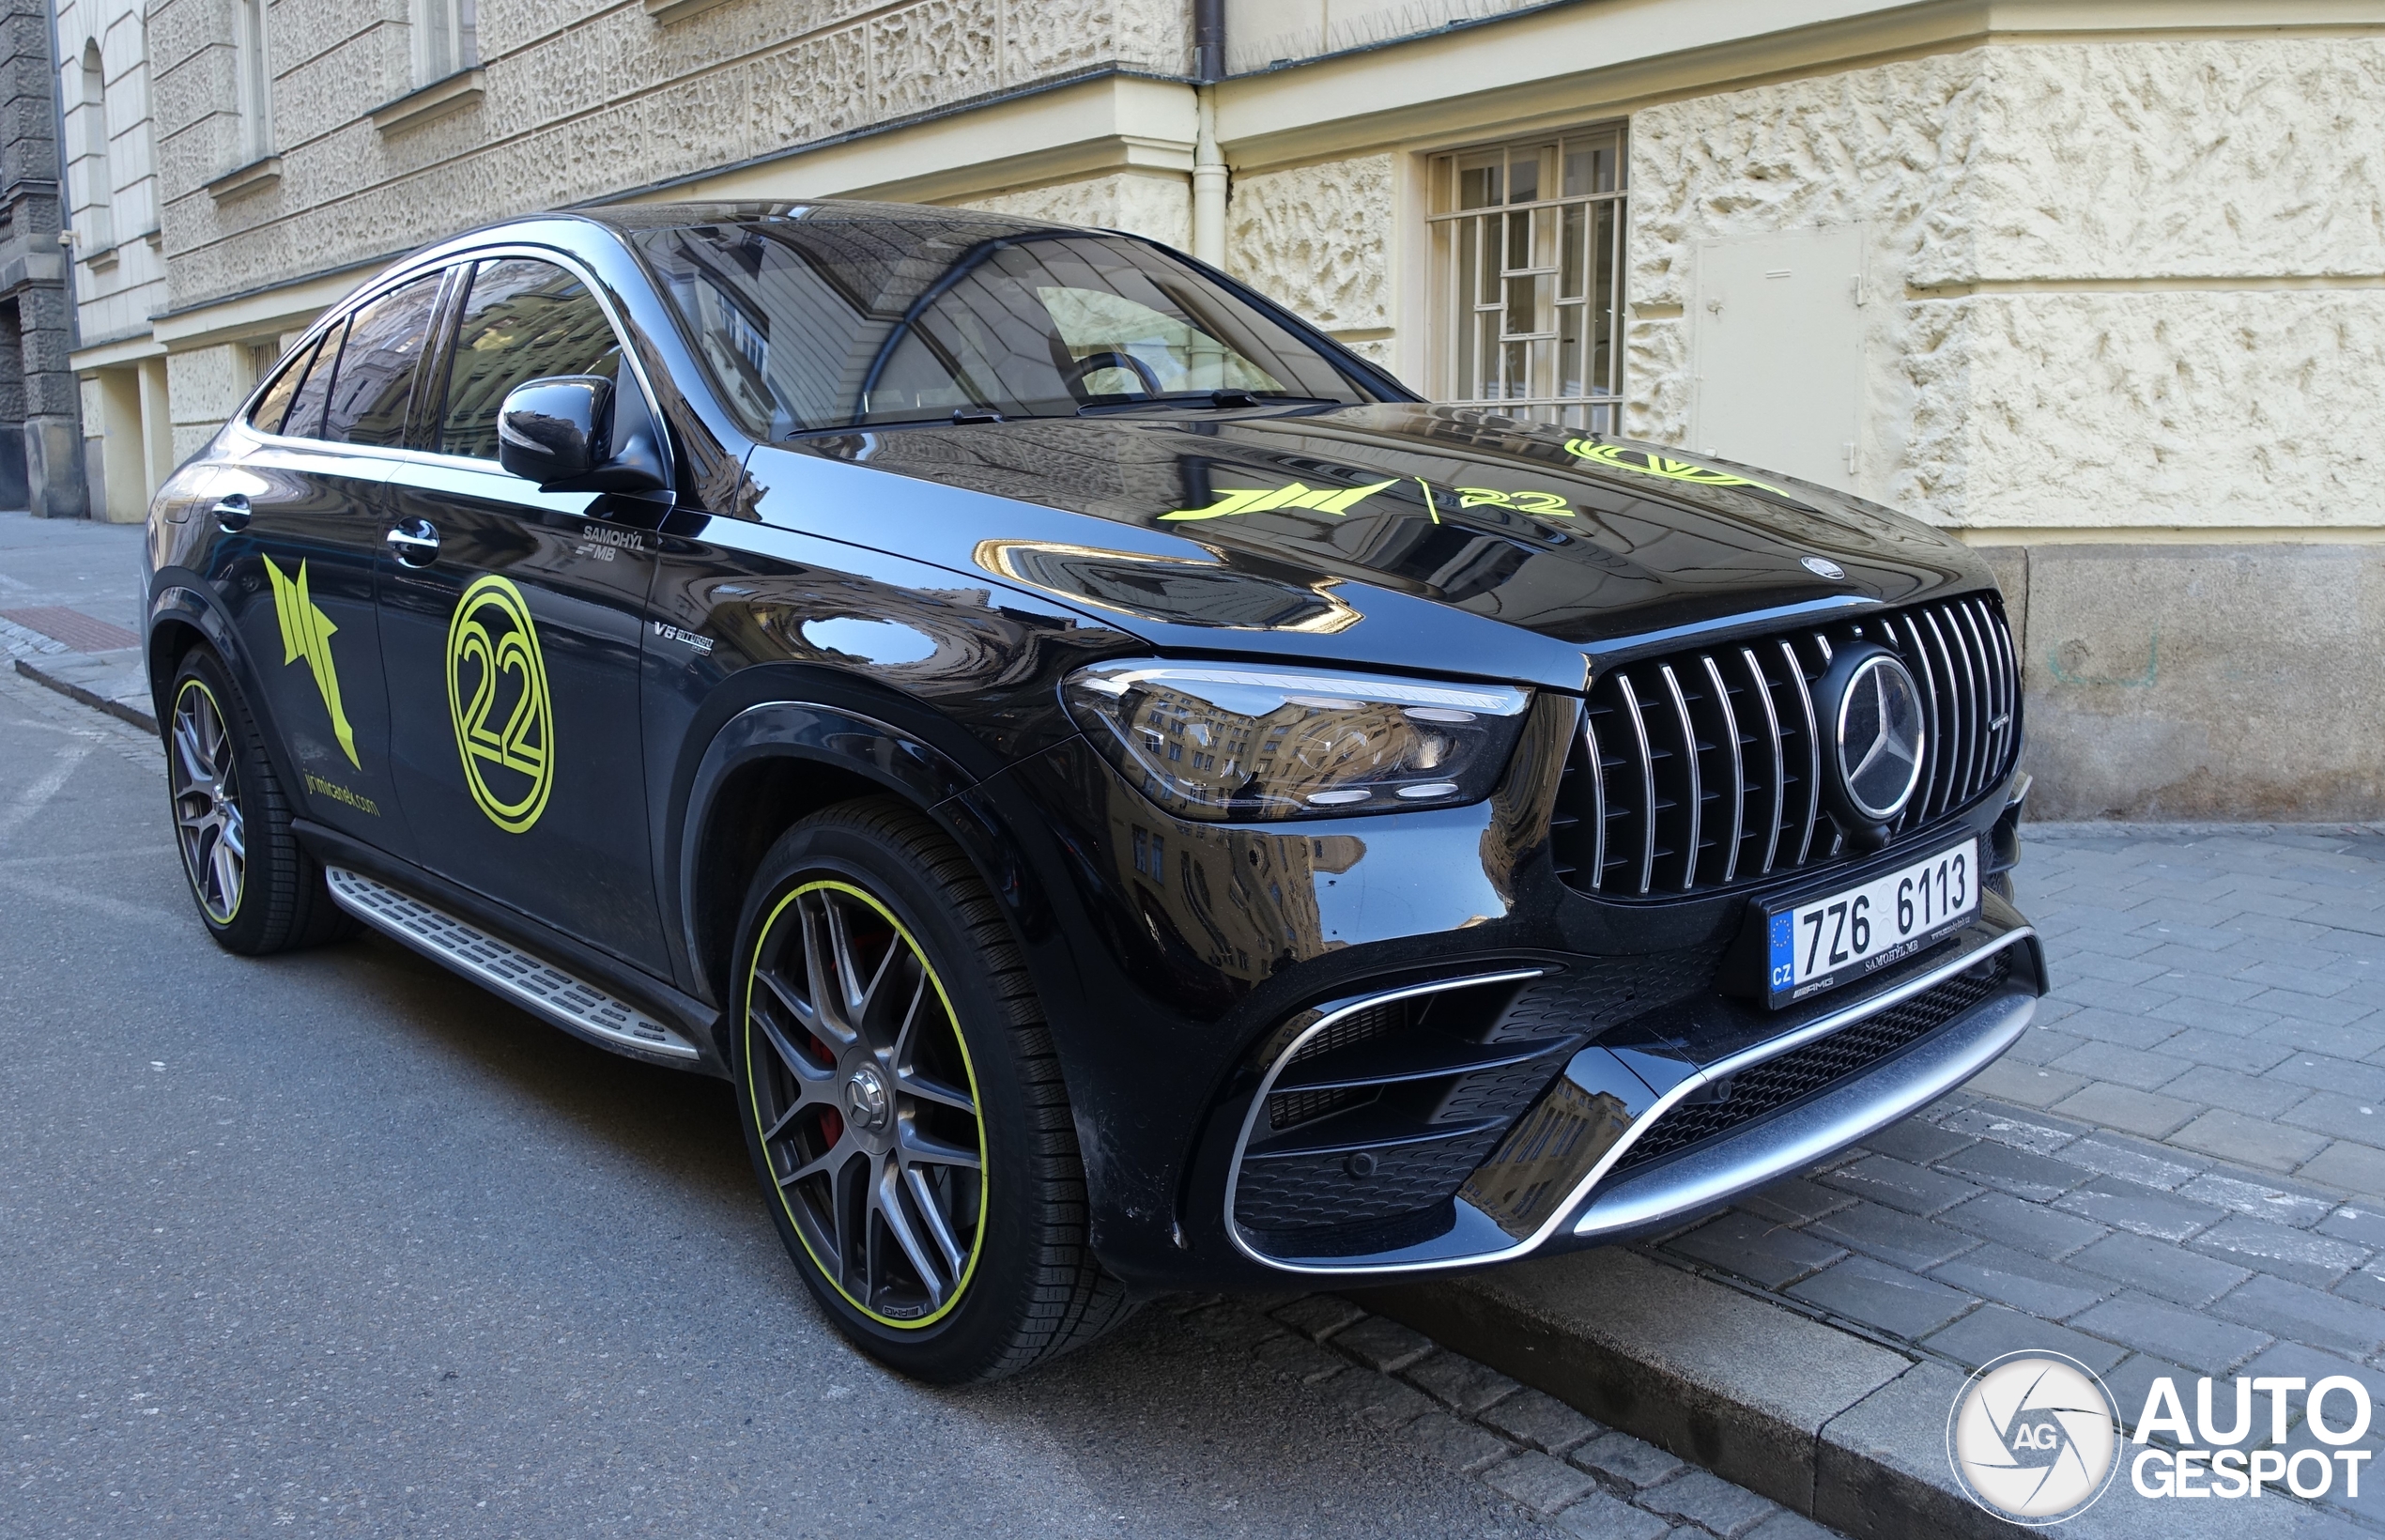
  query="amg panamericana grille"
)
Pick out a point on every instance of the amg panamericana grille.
point(1703, 768)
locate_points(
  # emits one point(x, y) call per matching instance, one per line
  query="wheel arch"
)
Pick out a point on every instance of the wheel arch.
point(768, 767)
point(183, 617)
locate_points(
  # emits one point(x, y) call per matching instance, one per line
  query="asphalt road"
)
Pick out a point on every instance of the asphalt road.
point(336, 1242)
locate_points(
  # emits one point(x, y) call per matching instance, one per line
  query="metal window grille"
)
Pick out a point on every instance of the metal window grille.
point(1528, 246)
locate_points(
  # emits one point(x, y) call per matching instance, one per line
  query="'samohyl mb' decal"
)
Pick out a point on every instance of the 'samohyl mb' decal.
point(493, 666)
point(306, 633)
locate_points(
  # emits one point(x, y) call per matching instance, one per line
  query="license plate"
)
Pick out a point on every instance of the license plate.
point(1818, 944)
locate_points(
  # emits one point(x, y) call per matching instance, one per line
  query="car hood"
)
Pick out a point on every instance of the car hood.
point(1444, 538)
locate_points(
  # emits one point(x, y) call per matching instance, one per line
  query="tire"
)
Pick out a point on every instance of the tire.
point(257, 890)
point(948, 1263)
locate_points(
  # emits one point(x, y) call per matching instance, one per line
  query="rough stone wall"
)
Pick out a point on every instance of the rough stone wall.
point(205, 385)
point(1317, 238)
point(42, 457)
point(1155, 205)
point(2113, 286)
point(2203, 682)
point(584, 98)
point(2077, 267)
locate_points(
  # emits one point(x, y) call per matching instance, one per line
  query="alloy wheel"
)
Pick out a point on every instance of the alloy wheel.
point(203, 774)
point(866, 1103)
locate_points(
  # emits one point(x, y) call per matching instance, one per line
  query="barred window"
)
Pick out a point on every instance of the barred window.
point(1528, 250)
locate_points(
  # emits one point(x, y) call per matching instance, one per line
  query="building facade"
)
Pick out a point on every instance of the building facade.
point(40, 450)
point(2098, 285)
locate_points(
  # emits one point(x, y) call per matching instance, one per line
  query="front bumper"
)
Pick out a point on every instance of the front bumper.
point(1177, 963)
point(1603, 1156)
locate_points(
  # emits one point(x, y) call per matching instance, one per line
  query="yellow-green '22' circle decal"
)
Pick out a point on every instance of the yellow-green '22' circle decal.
point(496, 697)
point(753, 1094)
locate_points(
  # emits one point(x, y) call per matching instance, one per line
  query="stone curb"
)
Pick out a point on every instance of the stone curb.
point(1828, 1423)
point(48, 671)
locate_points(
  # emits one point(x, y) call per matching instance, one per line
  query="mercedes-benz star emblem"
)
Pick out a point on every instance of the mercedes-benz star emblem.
point(866, 1099)
point(1880, 737)
point(1821, 566)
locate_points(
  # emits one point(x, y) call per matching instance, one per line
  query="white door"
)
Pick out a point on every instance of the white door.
point(1777, 351)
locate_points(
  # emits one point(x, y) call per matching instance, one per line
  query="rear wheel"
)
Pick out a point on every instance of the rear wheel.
point(257, 891)
point(904, 1105)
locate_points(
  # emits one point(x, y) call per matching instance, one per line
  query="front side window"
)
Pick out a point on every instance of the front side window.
point(523, 320)
point(1527, 248)
point(817, 319)
point(374, 378)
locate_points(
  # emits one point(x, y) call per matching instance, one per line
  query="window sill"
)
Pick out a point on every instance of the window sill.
point(103, 259)
point(241, 181)
point(459, 91)
point(667, 11)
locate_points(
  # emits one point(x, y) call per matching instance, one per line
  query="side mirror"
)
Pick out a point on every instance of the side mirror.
point(562, 434)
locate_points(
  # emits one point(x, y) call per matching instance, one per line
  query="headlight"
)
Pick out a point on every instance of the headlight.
point(1214, 742)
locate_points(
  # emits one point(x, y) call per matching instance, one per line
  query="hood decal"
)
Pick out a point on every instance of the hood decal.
point(1259, 500)
point(1650, 463)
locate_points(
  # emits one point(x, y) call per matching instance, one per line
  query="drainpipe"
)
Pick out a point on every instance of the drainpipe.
point(1209, 177)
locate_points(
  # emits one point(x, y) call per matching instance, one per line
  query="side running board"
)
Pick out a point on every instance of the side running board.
point(538, 986)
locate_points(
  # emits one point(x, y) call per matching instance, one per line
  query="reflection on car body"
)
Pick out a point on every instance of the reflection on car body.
point(1133, 798)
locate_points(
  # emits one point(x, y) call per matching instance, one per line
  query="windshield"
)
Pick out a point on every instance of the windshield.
point(811, 321)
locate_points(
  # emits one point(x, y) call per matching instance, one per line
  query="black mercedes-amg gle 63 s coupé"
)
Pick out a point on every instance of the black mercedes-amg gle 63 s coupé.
point(1132, 797)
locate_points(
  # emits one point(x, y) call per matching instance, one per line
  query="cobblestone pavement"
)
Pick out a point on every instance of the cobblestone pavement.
point(2193, 1186)
point(1587, 1479)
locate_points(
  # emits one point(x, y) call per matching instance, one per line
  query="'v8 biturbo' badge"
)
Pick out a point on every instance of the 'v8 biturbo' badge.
point(497, 694)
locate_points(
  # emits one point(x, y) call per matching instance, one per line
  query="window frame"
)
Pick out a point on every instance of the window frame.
point(253, 82)
point(1454, 320)
point(458, 39)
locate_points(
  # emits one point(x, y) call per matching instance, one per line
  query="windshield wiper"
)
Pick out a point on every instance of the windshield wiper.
point(1206, 401)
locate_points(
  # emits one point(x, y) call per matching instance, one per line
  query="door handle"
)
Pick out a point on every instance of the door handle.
point(232, 514)
point(416, 542)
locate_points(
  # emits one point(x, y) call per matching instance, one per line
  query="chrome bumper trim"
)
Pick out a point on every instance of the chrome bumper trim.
point(1430, 1257)
point(1791, 1141)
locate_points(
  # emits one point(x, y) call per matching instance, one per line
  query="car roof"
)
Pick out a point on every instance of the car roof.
point(631, 217)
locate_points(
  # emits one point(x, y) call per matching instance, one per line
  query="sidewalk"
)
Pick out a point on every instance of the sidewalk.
point(70, 610)
point(2181, 1172)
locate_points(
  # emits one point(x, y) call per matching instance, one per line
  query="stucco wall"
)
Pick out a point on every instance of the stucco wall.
point(2113, 287)
point(1318, 238)
point(2111, 283)
point(206, 386)
point(583, 99)
point(1155, 205)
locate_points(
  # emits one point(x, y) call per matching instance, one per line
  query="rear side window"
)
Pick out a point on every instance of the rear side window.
point(271, 411)
point(375, 375)
point(522, 320)
point(306, 407)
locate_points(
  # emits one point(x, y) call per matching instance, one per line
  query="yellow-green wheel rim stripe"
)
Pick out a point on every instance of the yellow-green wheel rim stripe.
point(753, 1102)
point(225, 722)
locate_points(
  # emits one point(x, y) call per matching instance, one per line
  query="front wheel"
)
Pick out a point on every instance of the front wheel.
point(904, 1105)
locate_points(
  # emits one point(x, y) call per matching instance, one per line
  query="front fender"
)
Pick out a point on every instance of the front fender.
point(835, 739)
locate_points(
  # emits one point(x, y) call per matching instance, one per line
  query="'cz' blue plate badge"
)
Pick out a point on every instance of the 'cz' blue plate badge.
point(1784, 950)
